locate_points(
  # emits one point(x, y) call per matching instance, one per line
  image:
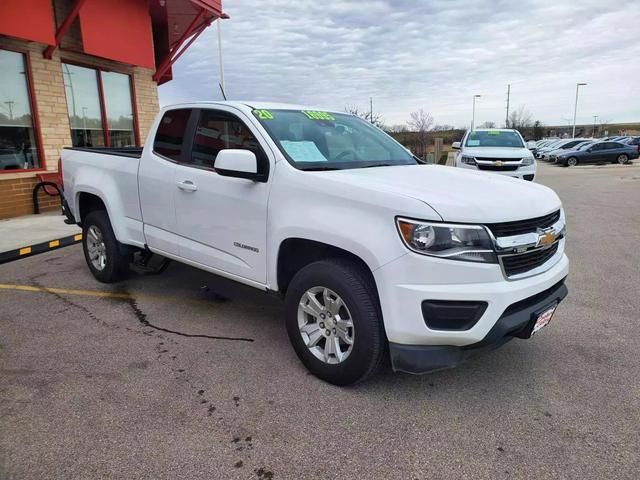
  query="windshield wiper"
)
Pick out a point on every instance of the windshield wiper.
point(381, 165)
point(319, 169)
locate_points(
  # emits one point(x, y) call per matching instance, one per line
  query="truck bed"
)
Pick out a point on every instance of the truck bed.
point(133, 152)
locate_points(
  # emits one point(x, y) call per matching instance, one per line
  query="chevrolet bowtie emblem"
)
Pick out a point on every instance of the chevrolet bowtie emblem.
point(546, 238)
point(498, 163)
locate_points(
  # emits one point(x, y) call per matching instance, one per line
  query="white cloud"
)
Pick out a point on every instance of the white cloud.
point(433, 55)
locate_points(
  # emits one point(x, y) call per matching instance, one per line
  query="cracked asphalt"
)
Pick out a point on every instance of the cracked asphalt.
point(185, 375)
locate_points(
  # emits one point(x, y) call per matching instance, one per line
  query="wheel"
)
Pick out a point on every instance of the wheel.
point(572, 162)
point(101, 249)
point(622, 159)
point(334, 321)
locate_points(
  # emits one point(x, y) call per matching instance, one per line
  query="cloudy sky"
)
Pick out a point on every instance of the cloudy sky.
point(432, 54)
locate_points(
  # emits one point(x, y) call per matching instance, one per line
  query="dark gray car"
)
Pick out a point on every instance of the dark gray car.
point(601, 152)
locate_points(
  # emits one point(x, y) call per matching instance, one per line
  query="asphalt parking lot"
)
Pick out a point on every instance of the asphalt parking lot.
point(185, 375)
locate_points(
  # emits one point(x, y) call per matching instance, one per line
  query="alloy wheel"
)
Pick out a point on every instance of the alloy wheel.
point(325, 325)
point(96, 248)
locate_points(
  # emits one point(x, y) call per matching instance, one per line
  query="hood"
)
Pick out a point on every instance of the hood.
point(497, 152)
point(456, 194)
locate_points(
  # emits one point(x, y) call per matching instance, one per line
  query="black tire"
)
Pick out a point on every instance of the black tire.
point(357, 290)
point(571, 162)
point(622, 159)
point(117, 263)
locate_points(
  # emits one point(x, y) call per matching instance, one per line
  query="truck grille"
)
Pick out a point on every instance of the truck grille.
point(523, 262)
point(506, 229)
point(495, 168)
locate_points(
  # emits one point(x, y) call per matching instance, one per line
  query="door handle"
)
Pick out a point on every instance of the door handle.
point(187, 186)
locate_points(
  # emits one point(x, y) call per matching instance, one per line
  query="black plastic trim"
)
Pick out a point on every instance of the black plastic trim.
point(516, 321)
point(455, 315)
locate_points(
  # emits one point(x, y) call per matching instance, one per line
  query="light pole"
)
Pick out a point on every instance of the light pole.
point(10, 104)
point(595, 119)
point(473, 116)
point(575, 109)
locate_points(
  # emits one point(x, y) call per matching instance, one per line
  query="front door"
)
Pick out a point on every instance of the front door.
point(222, 221)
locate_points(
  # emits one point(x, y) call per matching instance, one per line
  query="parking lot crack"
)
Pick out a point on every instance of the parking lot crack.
point(142, 318)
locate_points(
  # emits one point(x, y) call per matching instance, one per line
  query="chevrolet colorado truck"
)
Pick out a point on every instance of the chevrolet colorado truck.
point(374, 254)
point(500, 151)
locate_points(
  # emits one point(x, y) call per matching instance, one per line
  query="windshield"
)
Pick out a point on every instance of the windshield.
point(585, 146)
point(313, 140)
point(494, 138)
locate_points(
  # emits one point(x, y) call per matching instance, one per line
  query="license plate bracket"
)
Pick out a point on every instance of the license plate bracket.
point(540, 319)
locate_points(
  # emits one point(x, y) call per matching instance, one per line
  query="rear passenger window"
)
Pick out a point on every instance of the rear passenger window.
point(217, 131)
point(170, 134)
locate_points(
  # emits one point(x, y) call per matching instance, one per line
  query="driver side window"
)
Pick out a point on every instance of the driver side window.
point(217, 130)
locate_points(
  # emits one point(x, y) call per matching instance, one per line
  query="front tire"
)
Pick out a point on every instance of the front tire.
point(101, 249)
point(334, 322)
point(572, 162)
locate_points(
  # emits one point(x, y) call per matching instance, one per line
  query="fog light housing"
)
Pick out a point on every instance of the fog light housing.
point(455, 315)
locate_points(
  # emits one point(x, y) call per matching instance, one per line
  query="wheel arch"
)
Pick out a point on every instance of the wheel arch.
point(296, 253)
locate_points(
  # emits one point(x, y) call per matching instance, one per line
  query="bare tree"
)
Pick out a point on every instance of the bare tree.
point(397, 128)
point(420, 123)
point(520, 118)
point(443, 128)
point(376, 119)
point(488, 125)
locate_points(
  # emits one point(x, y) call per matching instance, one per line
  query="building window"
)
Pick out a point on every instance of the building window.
point(18, 147)
point(100, 107)
point(117, 100)
point(83, 103)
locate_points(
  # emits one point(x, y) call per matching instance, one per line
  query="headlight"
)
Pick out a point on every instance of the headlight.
point(527, 161)
point(445, 240)
point(468, 160)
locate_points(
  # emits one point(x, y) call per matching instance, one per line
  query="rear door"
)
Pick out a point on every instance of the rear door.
point(222, 221)
point(156, 181)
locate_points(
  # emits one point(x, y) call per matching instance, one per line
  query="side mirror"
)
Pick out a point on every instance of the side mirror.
point(455, 145)
point(238, 163)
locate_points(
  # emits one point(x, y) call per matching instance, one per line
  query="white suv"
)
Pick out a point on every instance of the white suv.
point(496, 150)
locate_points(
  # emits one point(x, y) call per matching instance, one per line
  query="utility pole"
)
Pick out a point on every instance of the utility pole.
point(371, 109)
point(506, 123)
point(595, 119)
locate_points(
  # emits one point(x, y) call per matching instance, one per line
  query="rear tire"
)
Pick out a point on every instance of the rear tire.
point(335, 282)
point(101, 249)
point(623, 159)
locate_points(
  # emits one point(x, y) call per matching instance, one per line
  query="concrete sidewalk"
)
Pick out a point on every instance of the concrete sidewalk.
point(21, 232)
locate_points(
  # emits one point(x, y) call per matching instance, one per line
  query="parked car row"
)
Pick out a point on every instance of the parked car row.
point(575, 151)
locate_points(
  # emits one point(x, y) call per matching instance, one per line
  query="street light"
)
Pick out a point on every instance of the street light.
point(575, 109)
point(473, 117)
point(595, 119)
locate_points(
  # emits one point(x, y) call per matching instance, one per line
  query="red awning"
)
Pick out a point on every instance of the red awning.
point(118, 30)
point(175, 23)
point(34, 23)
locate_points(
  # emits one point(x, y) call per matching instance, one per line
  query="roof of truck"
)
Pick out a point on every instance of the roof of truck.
point(257, 104)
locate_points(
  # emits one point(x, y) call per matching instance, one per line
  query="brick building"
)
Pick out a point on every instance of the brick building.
point(82, 73)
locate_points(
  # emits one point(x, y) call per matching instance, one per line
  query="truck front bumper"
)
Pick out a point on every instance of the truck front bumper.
point(411, 282)
point(516, 321)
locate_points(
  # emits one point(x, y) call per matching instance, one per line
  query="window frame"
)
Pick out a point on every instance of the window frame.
point(103, 105)
point(31, 94)
point(190, 135)
point(189, 127)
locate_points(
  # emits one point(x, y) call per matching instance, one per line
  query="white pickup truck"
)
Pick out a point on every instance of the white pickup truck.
point(374, 253)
